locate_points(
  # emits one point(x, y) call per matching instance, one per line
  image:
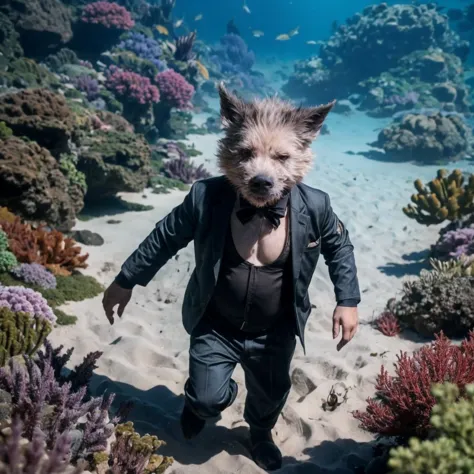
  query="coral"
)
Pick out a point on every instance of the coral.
point(454, 244)
point(460, 267)
point(64, 56)
point(40, 115)
point(23, 73)
point(20, 334)
point(131, 87)
point(34, 187)
point(88, 85)
point(114, 162)
point(183, 170)
point(426, 139)
point(446, 197)
point(175, 91)
point(6, 215)
point(145, 48)
point(9, 39)
point(42, 24)
point(233, 55)
point(402, 404)
point(437, 301)
point(68, 165)
point(387, 323)
point(3, 241)
point(108, 14)
point(49, 248)
point(7, 261)
point(5, 132)
point(35, 274)
point(26, 300)
point(184, 47)
point(450, 451)
point(21, 456)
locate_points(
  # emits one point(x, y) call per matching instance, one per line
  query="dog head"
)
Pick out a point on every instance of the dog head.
point(266, 149)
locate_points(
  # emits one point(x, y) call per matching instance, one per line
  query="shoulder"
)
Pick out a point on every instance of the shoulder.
point(211, 188)
point(314, 199)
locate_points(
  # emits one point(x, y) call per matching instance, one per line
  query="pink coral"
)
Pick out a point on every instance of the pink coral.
point(175, 90)
point(108, 14)
point(131, 86)
point(387, 324)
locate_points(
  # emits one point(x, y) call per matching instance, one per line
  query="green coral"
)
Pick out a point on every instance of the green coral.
point(20, 334)
point(452, 450)
point(113, 105)
point(64, 319)
point(7, 261)
point(131, 62)
point(163, 185)
point(25, 71)
point(67, 164)
point(5, 131)
point(446, 197)
point(3, 241)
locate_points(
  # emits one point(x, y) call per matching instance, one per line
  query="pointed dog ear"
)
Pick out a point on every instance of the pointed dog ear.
point(309, 120)
point(232, 108)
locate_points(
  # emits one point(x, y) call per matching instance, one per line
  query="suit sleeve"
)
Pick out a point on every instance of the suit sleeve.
point(338, 253)
point(171, 234)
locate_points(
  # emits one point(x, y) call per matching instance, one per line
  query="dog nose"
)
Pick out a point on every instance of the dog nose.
point(260, 182)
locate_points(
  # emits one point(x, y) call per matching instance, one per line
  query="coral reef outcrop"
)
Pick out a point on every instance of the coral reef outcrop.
point(33, 186)
point(426, 139)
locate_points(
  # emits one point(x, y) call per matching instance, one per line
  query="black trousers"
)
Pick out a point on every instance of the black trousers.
point(217, 347)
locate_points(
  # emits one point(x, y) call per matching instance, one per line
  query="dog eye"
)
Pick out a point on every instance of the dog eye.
point(246, 153)
point(282, 156)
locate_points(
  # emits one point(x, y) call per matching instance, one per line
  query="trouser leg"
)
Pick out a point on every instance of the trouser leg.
point(213, 356)
point(266, 363)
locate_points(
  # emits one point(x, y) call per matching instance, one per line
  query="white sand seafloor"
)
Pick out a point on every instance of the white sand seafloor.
point(145, 355)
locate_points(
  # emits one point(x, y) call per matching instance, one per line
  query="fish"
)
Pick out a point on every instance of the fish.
point(202, 70)
point(246, 9)
point(179, 23)
point(162, 30)
point(257, 33)
point(314, 42)
point(283, 37)
point(294, 32)
point(198, 17)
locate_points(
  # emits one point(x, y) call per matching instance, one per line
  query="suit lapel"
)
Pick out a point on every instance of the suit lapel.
point(299, 231)
point(221, 213)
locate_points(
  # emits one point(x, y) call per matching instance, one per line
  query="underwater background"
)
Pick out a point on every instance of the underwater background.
point(109, 112)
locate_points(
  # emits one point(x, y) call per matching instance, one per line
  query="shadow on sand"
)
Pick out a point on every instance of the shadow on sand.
point(156, 411)
point(415, 262)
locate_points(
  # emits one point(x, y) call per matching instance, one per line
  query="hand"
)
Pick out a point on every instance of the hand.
point(115, 295)
point(349, 320)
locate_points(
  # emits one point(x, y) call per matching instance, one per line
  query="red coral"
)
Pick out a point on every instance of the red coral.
point(387, 324)
point(108, 14)
point(131, 86)
point(175, 90)
point(402, 404)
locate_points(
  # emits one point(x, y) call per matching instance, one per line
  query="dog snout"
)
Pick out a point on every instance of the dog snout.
point(261, 183)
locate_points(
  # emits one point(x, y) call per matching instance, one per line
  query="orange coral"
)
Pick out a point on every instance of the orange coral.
point(6, 215)
point(49, 248)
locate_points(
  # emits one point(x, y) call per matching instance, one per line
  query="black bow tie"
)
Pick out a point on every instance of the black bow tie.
point(272, 213)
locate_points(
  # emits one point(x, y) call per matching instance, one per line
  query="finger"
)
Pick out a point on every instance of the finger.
point(109, 311)
point(335, 328)
point(121, 308)
point(346, 337)
point(354, 330)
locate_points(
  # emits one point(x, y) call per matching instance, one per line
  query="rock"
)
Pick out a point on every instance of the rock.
point(114, 162)
point(9, 39)
point(87, 237)
point(301, 382)
point(444, 92)
point(43, 25)
point(40, 115)
point(33, 186)
point(343, 107)
point(23, 73)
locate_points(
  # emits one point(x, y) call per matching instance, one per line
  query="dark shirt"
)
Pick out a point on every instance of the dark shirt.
point(252, 298)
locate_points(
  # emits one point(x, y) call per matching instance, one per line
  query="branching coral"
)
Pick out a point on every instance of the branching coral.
point(6, 215)
point(460, 267)
point(7, 261)
point(387, 323)
point(450, 451)
point(455, 244)
point(3, 241)
point(175, 91)
point(145, 48)
point(26, 300)
point(20, 334)
point(402, 404)
point(35, 274)
point(88, 85)
point(184, 47)
point(446, 197)
point(108, 14)
point(183, 170)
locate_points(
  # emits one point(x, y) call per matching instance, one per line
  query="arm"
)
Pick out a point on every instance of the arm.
point(338, 253)
point(171, 234)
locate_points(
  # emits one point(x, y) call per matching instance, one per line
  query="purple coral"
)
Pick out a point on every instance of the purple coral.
point(35, 274)
point(409, 98)
point(88, 85)
point(183, 170)
point(26, 300)
point(108, 14)
point(145, 48)
point(233, 55)
point(175, 90)
point(455, 243)
point(131, 87)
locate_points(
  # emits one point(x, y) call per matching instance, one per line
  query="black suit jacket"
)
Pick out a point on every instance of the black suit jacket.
point(204, 217)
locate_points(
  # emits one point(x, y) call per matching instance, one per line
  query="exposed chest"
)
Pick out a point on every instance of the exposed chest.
point(257, 241)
